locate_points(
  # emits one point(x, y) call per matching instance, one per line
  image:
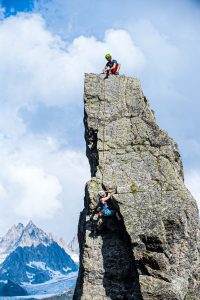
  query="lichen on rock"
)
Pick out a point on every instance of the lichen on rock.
point(154, 254)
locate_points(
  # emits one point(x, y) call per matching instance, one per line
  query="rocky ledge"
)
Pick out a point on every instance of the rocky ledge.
point(155, 253)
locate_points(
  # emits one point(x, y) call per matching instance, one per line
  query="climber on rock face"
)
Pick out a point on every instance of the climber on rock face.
point(112, 66)
point(105, 207)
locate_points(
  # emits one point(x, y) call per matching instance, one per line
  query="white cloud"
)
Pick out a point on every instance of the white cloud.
point(29, 189)
point(37, 66)
point(37, 192)
point(192, 180)
point(162, 54)
point(38, 179)
point(41, 182)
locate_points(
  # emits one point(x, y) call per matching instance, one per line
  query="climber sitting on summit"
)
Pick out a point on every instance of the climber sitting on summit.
point(112, 66)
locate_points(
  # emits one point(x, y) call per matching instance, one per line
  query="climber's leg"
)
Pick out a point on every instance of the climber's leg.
point(118, 216)
point(100, 225)
point(118, 68)
point(115, 71)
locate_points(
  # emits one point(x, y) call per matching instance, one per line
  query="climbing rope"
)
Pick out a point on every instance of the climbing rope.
point(104, 126)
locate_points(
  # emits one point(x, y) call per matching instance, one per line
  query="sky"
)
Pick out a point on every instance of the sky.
point(46, 46)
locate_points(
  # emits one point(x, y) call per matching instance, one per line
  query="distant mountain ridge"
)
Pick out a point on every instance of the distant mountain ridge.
point(28, 254)
point(72, 248)
point(22, 236)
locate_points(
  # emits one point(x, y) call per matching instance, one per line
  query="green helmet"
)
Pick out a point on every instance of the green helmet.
point(108, 55)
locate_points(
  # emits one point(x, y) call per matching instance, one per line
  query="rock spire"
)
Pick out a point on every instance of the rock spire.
point(154, 254)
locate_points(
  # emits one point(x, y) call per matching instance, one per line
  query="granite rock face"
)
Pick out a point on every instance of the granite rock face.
point(155, 253)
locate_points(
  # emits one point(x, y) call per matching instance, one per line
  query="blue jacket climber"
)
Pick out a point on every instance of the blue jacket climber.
point(103, 206)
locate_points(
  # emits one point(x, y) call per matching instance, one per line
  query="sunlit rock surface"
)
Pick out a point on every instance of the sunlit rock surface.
point(155, 253)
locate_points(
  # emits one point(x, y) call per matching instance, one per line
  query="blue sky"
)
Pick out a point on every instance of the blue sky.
point(46, 46)
point(13, 7)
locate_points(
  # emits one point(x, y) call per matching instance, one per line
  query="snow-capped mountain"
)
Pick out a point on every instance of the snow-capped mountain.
point(33, 236)
point(72, 248)
point(20, 236)
point(74, 245)
point(7, 243)
point(28, 254)
point(37, 264)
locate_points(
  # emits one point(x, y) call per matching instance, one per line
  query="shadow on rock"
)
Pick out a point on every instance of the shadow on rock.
point(121, 280)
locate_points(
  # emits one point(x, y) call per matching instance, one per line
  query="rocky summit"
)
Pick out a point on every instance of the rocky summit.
point(153, 253)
